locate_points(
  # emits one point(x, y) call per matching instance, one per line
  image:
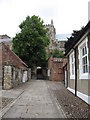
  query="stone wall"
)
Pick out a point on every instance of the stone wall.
point(60, 45)
point(0, 64)
point(7, 77)
point(29, 73)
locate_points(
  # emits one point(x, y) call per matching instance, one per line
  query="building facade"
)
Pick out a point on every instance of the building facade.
point(78, 65)
point(13, 70)
point(55, 69)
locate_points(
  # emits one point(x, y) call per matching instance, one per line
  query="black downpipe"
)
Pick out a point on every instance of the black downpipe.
point(75, 71)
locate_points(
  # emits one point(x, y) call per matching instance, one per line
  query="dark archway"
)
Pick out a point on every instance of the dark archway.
point(39, 73)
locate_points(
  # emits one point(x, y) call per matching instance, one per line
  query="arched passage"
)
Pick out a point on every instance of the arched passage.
point(39, 73)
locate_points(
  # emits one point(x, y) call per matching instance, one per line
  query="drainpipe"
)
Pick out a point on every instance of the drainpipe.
point(75, 71)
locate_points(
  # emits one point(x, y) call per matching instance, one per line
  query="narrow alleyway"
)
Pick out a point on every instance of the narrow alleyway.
point(37, 101)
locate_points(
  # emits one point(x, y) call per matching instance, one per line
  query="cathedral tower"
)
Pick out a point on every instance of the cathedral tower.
point(51, 35)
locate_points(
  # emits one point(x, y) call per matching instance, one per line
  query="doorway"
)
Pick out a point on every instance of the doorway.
point(39, 73)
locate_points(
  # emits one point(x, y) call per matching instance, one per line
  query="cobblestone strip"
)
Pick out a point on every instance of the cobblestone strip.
point(72, 106)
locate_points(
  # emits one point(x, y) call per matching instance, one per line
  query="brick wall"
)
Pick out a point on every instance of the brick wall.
point(55, 65)
point(13, 68)
point(10, 58)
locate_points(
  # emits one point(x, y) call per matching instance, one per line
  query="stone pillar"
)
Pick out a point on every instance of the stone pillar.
point(7, 77)
point(29, 73)
point(34, 73)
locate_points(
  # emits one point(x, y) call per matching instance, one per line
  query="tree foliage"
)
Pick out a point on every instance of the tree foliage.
point(30, 44)
point(57, 54)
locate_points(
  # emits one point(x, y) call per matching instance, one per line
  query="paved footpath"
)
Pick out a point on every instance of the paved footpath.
point(36, 100)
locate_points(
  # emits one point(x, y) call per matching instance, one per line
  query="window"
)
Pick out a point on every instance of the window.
point(84, 60)
point(72, 62)
point(72, 66)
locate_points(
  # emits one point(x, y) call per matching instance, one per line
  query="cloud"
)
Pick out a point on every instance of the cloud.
point(66, 14)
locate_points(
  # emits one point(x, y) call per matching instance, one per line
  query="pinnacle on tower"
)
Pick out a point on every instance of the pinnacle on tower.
point(51, 22)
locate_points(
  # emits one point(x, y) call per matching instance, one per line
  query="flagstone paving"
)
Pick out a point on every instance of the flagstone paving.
point(35, 102)
point(44, 99)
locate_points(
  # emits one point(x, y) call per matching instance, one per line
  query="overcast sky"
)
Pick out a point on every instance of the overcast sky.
point(67, 15)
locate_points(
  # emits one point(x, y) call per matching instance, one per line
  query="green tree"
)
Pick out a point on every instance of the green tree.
point(58, 54)
point(30, 44)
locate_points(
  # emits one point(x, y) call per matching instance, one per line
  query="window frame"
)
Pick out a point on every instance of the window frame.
point(84, 60)
point(83, 75)
point(72, 63)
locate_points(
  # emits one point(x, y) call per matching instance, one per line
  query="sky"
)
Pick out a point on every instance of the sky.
point(67, 15)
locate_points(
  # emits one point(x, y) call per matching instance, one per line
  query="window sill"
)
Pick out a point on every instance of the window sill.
point(84, 76)
point(72, 76)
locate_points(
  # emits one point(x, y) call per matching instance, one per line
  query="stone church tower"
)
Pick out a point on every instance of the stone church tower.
point(51, 31)
point(51, 34)
point(54, 44)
